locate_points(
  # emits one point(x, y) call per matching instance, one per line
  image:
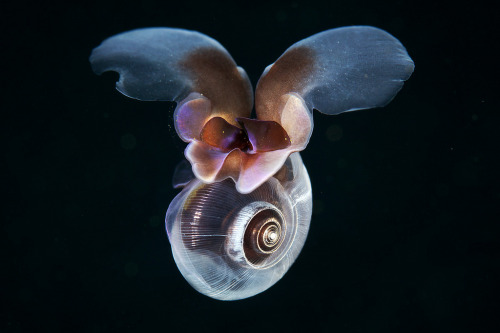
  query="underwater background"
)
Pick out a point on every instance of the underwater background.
point(405, 229)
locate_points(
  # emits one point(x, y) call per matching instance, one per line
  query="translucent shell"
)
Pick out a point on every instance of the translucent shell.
point(231, 246)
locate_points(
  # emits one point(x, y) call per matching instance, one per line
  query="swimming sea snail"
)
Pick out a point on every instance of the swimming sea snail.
point(244, 212)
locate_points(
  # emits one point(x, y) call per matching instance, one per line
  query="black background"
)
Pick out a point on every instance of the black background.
point(404, 235)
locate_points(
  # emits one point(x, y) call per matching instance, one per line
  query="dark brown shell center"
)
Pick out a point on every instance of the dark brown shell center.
point(263, 236)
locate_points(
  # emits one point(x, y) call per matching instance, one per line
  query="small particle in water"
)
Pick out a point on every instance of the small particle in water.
point(128, 141)
point(334, 133)
point(155, 221)
point(131, 269)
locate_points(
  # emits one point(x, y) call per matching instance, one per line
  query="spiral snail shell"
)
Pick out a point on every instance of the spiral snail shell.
point(229, 245)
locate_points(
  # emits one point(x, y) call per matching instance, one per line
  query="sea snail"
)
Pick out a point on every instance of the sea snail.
point(243, 214)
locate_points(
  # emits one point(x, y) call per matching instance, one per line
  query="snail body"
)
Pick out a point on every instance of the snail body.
point(243, 215)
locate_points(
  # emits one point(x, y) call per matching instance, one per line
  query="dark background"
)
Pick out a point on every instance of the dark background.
point(404, 235)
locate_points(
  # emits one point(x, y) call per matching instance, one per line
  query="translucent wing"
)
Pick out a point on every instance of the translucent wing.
point(183, 174)
point(170, 64)
point(337, 70)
